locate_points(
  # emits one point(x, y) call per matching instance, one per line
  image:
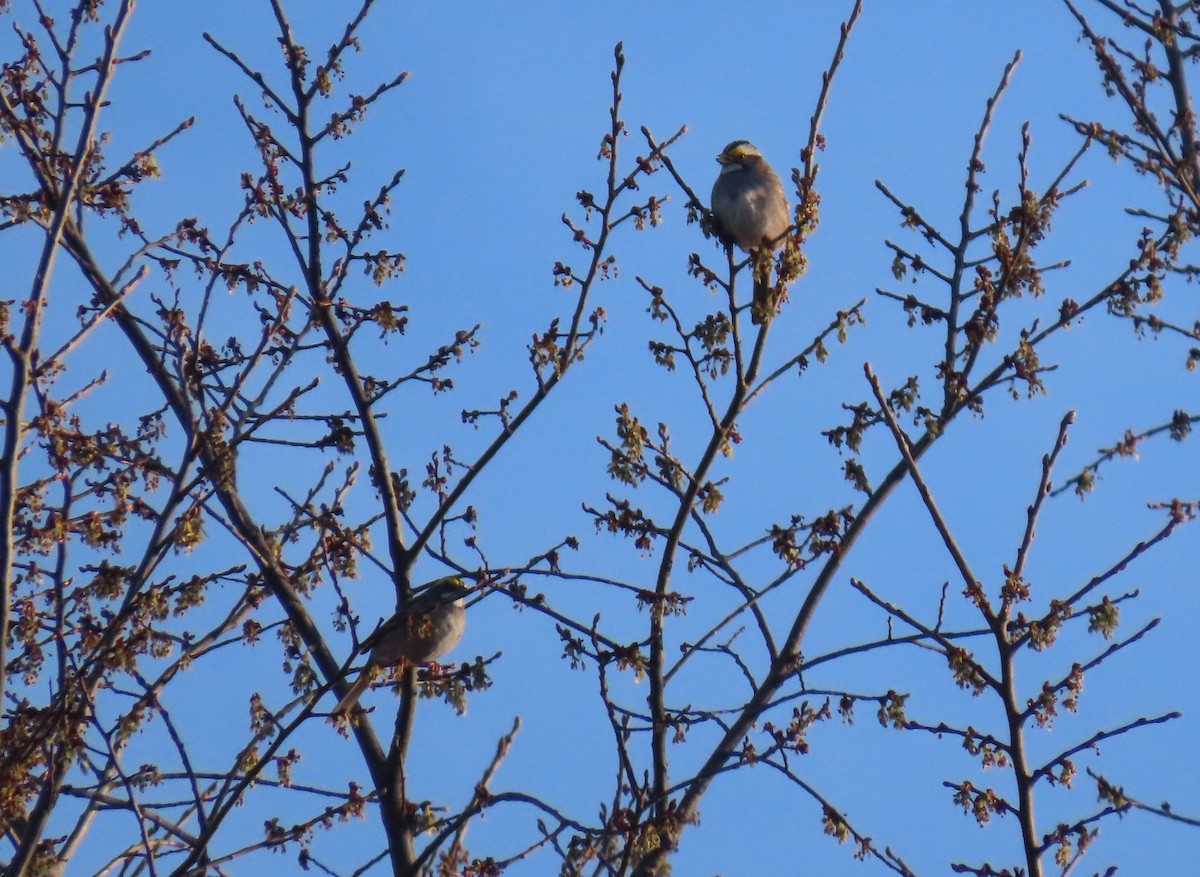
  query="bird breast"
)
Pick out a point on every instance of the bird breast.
point(421, 636)
point(751, 207)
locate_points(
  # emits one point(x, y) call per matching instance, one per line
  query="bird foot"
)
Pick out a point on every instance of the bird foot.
point(432, 671)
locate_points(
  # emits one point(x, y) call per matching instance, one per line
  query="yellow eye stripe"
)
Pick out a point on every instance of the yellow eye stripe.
point(738, 149)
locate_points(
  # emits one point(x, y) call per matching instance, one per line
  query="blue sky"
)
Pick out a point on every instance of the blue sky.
point(498, 127)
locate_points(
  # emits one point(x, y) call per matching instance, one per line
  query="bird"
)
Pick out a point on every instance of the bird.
point(429, 625)
point(750, 209)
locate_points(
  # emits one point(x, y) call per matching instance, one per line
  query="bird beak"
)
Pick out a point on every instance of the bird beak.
point(723, 159)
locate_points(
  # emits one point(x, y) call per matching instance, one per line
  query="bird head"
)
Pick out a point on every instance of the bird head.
point(737, 153)
point(451, 589)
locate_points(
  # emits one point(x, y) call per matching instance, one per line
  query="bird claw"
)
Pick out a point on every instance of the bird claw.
point(432, 671)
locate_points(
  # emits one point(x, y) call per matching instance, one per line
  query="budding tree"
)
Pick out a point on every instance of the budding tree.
point(227, 453)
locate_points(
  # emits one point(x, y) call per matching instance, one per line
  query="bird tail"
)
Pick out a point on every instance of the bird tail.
point(762, 308)
point(356, 689)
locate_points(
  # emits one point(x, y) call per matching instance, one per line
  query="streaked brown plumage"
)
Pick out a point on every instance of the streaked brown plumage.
point(429, 626)
point(750, 209)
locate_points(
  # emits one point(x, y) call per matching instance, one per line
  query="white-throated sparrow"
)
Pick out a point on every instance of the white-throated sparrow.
point(429, 626)
point(750, 209)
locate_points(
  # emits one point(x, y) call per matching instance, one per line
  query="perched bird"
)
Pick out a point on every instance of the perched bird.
point(750, 209)
point(430, 625)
